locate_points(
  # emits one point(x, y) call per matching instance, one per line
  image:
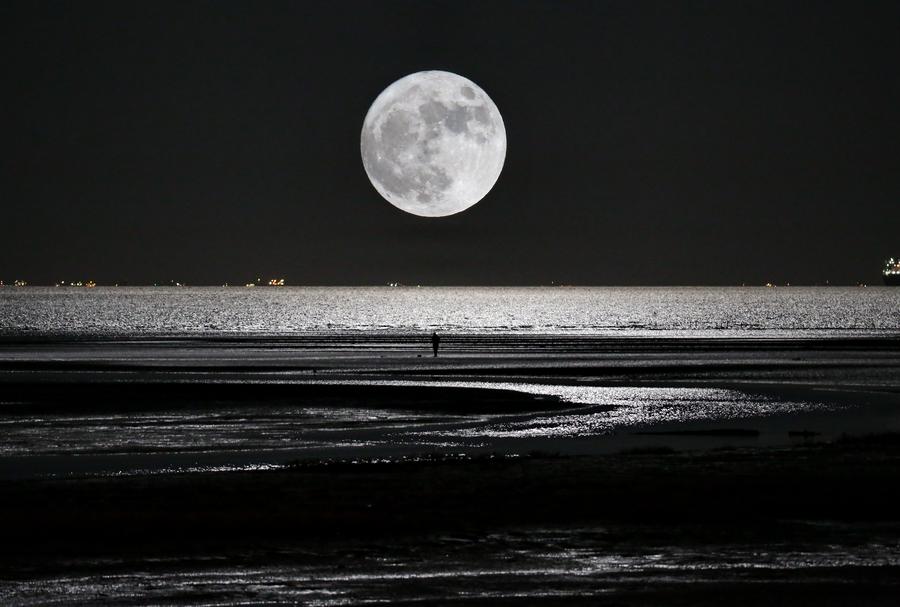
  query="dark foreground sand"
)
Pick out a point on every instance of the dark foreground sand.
point(849, 480)
point(812, 523)
point(805, 525)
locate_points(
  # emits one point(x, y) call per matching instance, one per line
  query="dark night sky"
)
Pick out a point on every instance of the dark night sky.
point(649, 143)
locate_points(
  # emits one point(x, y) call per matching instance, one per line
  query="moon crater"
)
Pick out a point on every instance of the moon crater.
point(433, 143)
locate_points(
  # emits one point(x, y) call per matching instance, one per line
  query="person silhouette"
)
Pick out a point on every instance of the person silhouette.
point(435, 342)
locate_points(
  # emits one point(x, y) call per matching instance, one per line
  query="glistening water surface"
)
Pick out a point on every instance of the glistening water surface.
point(589, 412)
point(242, 435)
point(696, 312)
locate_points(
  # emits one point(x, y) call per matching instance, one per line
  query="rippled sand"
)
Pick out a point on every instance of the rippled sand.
point(547, 565)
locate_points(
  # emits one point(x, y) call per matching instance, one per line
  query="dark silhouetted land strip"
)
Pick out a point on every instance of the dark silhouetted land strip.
point(715, 432)
point(64, 397)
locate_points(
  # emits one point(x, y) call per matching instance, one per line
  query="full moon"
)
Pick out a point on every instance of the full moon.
point(433, 143)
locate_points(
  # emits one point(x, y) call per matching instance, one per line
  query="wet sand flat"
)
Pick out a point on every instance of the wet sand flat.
point(811, 524)
point(344, 471)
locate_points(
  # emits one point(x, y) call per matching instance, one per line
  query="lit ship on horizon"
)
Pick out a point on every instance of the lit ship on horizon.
point(891, 272)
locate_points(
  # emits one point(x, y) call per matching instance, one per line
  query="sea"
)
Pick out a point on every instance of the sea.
point(183, 335)
point(596, 311)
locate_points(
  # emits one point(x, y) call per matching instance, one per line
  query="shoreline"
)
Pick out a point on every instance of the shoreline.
point(458, 336)
point(506, 393)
